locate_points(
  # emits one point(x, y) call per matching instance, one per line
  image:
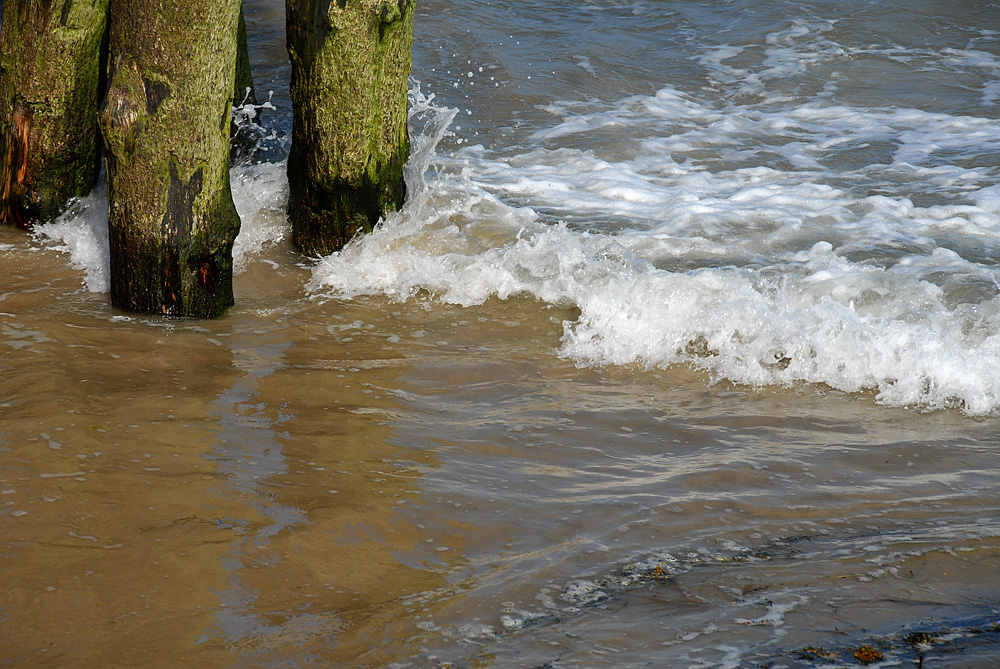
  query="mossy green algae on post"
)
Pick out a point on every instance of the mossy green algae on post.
point(350, 67)
point(165, 119)
point(243, 89)
point(51, 77)
point(243, 136)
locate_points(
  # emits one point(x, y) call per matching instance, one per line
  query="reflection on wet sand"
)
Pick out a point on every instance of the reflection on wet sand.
point(198, 492)
point(322, 579)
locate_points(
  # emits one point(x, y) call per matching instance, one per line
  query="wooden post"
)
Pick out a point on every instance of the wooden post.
point(51, 78)
point(350, 66)
point(165, 120)
point(243, 90)
point(244, 132)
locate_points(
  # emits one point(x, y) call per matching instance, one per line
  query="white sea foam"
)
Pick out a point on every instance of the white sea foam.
point(82, 232)
point(259, 191)
point(682, 247)
point(261, 195)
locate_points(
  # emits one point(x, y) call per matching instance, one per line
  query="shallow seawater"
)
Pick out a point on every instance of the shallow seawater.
point(684, 352)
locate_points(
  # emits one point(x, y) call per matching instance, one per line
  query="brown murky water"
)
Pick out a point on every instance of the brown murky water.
point(362, 483)
point(153, 473)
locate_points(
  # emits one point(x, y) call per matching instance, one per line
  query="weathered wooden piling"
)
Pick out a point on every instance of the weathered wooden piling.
point(244, 133)
point(173, 69)
point(166, 124)
point(243, 90)
point(51, 79)
point(350, 66)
